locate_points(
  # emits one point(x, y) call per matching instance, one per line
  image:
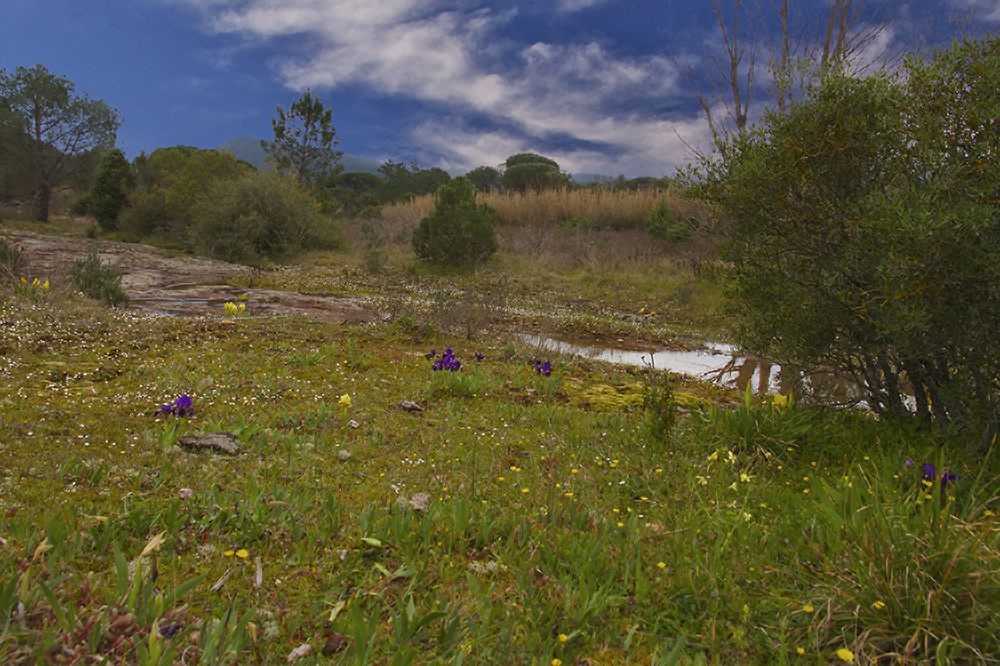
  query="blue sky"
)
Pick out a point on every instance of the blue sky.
point(451, 83)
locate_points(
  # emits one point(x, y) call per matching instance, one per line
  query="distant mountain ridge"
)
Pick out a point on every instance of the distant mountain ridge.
point(248, 149)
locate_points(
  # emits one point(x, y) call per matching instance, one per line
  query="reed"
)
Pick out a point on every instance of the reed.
point(547, 209)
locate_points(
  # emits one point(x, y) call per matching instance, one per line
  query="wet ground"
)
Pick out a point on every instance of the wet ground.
point(177, 283)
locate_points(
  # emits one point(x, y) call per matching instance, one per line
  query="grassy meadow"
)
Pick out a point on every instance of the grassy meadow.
point(507, 512)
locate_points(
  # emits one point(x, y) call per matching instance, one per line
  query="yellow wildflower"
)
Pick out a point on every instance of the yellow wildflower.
point(845, 655)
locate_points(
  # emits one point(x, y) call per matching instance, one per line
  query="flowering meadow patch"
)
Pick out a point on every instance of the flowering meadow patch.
point(551, 530)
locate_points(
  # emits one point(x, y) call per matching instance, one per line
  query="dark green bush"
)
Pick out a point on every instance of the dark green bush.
point(258, 217)
point(865, 236)
point(458, 232)
point(115, 179)
point(664, 226)
point(81, 207)
point(171, 182)
point(102, 283)
point(580, 224)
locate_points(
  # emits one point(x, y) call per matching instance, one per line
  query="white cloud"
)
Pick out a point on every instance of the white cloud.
point(577, 5)
point(650, 148)
point(980, 10)
point(428, 50)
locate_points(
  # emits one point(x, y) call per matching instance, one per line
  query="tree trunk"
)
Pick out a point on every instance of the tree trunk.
point(41, 203)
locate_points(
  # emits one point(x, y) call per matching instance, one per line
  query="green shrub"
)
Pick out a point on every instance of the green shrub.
point(108, 194)
point(102, 283)
point(662, 225)
point(260, 216)
point(150, 214)
point(458, 232)
point(81, 207)
point(171, 183)
point(578, 225)
point(865, 235)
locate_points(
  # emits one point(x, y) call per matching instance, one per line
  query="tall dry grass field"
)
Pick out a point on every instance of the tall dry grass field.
point(607, 209)
point(614, 209)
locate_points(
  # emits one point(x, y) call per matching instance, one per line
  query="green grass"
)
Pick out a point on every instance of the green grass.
point(562, 527)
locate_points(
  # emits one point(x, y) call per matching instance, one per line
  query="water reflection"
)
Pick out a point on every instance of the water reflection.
point(720, 364)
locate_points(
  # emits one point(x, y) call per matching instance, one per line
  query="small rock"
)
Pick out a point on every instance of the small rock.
point(185, 493)
point(334, 644)
point(410, 406)
point(220, 442)
point(420, 502)
point(343, 455)
point(353, 424)
point(303, 650)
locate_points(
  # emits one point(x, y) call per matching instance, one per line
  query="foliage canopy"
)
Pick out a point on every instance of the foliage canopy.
point(52, 127)
point(304, 138)
point(170, 183)
point(528, 171)
point(866, 235)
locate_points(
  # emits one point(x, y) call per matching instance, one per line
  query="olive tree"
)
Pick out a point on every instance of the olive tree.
point(865, 235)
point(60, 127)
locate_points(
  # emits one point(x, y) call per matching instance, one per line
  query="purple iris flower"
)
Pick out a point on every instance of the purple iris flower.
point(182, 407)
point(543, 368)
point(930, 472)
point(170, 630)
point(479, 356)
point(447, 362)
